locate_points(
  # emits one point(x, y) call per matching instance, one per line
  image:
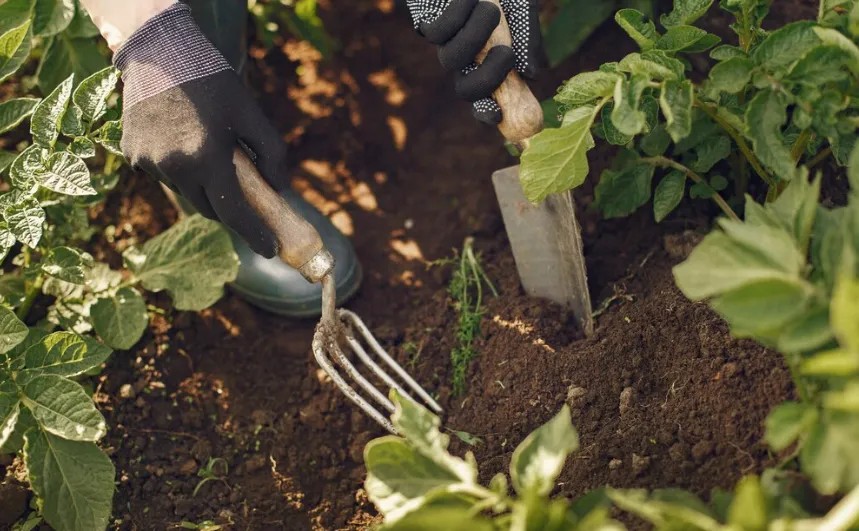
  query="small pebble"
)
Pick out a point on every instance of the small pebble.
point(614, 464)
point(127, 392)
point(188, 467)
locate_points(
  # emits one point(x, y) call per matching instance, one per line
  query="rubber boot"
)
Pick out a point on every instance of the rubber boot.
point(269, 283)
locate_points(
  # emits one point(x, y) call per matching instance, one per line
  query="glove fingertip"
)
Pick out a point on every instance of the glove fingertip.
point(486, 113)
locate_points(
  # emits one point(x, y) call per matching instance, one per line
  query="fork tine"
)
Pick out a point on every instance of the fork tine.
point(389, 361)
point(353, 373)
point(378, 371)
point(346, 389)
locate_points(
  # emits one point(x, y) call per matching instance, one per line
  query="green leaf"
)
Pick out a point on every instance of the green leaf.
point(809, 333)
point(14, 49)
point(732, 75)
point(92, 93)
point(786, 45)
point(766, 114)
point(685, 12)
point(762, 306)
point(749, 508)
point(626, 114)
point(838, 362)
point(676, 101)
point(434, 518)
point(844, 312)
point(653, 65)
point(63, 408)
point(83, 147)
point(556, 160)
point(120, 319)
point(6, 159)
point(787, 422)
point(686, 39)
point(66, 173)
point(400, 479)
point(726, 51)
point(821, 65)
point(65, 354)
point(67, 264)
point(669, 192)
point(720, 264)
point(25, 221)
point(81, 25)
point(65, 56)
point(10, 409)
point(656, 142)
point(538, 460)
point(15, 111)
point(620, 193)
point(52, 16)
point(12, 330)
point(853, 169)
point(633, 22)
point(586, 87)
point(421, 429)
point(72, 123)
point(829, 453)
point(831, 37)
point(610, 132)
point(24, 168)
point(666, 509)
point(12, 289)
point(709, 154)
point(73, 480)
point(571, 26)
point(845, 400)
point(45, 124)
point(192, 260)
point(109, 135)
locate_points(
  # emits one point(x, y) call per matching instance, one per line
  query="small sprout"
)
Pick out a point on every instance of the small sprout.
point(208, 473)
point(467, 438)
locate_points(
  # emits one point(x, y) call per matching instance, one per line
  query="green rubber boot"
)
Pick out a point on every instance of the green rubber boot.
point(269, 283)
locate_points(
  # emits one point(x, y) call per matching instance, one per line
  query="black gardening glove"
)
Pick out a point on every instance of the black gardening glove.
point(461, 28)
point(184, 113)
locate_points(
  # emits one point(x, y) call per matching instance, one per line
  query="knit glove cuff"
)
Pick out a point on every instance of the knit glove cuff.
point(167, 51)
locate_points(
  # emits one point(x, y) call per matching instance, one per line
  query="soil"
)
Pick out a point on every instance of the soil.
point(661, 394)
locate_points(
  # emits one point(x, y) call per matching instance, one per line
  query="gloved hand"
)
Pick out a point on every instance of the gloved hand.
point(461, 28)
point(184, 113)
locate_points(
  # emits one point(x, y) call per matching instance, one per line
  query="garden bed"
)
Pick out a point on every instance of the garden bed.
point(661, 395)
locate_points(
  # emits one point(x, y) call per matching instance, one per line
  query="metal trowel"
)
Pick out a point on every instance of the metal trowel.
point(545, 238)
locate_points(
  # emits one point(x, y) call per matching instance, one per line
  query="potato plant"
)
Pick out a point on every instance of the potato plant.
point(66, 164)
point(417, 485)
point(772, 102)
point(774, 105)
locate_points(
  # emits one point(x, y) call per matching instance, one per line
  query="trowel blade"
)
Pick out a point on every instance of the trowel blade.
point(547, 246)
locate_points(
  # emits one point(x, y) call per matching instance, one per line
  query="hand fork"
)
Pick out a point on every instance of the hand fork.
point(303, 249)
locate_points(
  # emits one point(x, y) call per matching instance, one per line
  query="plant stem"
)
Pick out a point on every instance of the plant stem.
point(739, 140)
point(820, 157)
point(666, 162)
point(840, 518)
point(33, 291)
point(799, 146)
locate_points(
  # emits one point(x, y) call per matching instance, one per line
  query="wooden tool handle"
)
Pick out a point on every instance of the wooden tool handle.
point(300, 244)
point(522, 114)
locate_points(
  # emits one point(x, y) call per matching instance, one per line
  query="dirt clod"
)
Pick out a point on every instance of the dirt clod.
point(626, 400)
point(574, 396)
point(639, 464)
